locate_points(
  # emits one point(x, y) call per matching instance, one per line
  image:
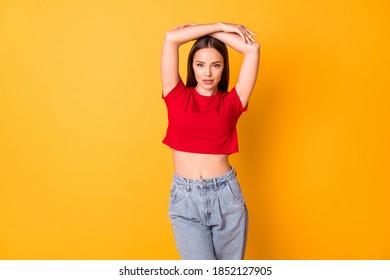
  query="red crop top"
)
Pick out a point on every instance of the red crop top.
point(202, 124)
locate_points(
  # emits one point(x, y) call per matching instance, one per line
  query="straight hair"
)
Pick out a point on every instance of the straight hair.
point(209, 42)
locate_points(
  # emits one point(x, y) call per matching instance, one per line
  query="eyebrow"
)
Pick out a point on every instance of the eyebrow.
point(211, 62)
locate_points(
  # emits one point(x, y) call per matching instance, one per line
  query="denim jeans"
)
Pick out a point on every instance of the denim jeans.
point(209, 217)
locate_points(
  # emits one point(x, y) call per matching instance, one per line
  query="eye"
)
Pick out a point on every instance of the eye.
point(217, 65)
point(200, 65)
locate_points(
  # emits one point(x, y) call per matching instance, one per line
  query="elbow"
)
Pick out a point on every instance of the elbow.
point(173, 39)
point(170, 37)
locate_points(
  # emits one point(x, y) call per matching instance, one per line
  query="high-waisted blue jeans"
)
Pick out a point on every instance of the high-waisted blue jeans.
point(209, 217)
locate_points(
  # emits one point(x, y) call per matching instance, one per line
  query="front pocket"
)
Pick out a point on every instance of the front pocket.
point(173, 193)
point(234, 191)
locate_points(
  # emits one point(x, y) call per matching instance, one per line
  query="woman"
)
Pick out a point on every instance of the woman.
point(207, 209)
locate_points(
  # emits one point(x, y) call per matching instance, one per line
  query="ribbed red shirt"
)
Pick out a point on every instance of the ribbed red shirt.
point(202, 124)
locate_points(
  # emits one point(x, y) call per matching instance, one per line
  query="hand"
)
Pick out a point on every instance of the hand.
point(241, 30)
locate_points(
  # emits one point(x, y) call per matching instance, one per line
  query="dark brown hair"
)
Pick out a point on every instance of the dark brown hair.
point(209, 42)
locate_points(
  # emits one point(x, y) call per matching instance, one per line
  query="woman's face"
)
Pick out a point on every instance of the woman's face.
point(208, 66)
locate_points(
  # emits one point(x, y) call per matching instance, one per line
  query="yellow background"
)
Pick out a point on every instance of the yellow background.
point(83, 172)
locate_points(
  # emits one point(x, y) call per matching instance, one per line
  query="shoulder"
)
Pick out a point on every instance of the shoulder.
point(177, 94)
point(234, 100)
point(179, 87)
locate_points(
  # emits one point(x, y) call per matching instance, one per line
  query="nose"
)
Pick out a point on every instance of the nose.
point(208, 72)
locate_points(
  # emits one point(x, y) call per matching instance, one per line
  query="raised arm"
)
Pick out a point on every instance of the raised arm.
point(250, 64)
point(170, 50)
point(183, 34)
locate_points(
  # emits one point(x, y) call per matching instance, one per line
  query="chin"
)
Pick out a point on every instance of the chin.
point(213, 86)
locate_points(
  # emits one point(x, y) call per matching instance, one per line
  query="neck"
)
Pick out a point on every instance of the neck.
point(206, 92)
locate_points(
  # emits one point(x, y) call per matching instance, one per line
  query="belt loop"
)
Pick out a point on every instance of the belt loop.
point(202, 183)
point(188, 185)
point(215, 184)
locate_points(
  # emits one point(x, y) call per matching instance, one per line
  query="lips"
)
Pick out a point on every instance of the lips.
point(208, 82)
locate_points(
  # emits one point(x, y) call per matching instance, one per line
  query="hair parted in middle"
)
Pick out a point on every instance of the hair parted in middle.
point(209, 42)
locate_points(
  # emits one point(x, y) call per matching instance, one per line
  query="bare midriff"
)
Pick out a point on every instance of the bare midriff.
point(200, 166)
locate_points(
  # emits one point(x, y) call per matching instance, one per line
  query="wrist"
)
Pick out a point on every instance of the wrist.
point(221, 26)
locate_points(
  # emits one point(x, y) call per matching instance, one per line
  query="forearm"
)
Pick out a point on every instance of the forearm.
point(182, 35)
point(250, 64)
point(237, 43)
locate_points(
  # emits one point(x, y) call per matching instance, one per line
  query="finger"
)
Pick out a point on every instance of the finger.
point(251, 32)
point(243, 34)
point(247, 31)
point(248, 34)
point(250, 38)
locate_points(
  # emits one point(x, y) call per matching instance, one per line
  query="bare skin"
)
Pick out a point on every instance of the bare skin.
point(199, 166)
point(208, 65)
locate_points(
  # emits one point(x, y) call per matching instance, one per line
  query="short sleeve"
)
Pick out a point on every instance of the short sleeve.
point(236, 101)
point(172, 95)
